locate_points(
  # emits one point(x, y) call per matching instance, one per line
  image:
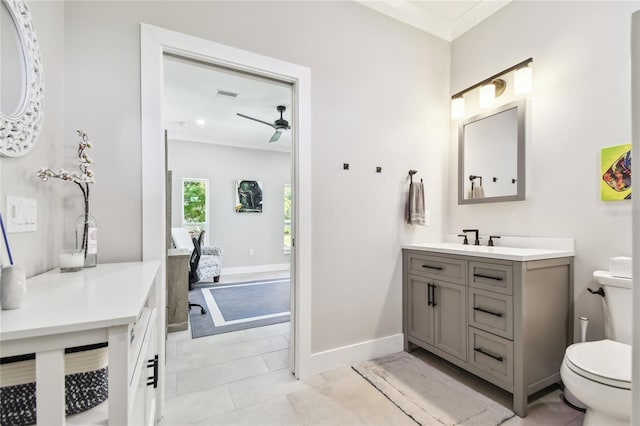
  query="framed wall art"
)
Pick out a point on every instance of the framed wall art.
point(248, 196)
point(615, 172)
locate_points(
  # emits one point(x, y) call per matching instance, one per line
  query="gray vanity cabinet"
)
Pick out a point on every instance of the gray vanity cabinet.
point(505, 321)
point(436, 301)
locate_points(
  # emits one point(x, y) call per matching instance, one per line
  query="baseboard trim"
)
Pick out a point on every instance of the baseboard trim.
point(255, 268)
point(358, 352)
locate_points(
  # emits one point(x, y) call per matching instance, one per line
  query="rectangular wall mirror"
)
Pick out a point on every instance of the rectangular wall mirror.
point(491, 156)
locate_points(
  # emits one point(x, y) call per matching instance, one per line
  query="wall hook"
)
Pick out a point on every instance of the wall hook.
point(378, 169)
point(411, 173)
point(345, 166)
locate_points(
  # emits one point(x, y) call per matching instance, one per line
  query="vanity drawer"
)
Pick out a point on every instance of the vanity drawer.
point(491, 354)
point(444, 268)
point(491, 276)
point(492, 312)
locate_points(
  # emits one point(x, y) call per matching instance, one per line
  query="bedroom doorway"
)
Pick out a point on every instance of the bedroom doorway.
point(229, 154)
point(154, 43)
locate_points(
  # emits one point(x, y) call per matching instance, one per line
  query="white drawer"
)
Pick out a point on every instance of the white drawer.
point(492, 312)
point(139, 345)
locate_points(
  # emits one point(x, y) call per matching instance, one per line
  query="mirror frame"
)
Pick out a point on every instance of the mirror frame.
point(520, 190)
point(19, 132)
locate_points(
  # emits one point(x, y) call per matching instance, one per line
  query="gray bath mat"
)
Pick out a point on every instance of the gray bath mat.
point(429, 396)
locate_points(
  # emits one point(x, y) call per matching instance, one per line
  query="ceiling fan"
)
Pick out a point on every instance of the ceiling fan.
point(280, 124)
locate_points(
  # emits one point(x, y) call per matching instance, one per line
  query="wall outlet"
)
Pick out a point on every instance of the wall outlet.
point(251, 252)
point(22, 214)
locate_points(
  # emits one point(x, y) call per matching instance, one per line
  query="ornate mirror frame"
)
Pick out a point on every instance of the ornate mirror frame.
point(19, 132)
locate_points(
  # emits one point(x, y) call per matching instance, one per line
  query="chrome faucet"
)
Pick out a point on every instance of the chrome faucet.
point(476, 242)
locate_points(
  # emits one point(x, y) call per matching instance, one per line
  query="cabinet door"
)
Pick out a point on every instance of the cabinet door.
point(450, 318)
point(420, 317)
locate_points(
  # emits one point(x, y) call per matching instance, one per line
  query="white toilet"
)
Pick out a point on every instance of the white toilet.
point(599, 373)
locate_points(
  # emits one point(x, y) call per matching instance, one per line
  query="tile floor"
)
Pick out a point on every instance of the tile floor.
point(242, 378)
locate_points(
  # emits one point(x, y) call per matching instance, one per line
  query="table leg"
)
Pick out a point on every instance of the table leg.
point(50, 403)
point(119, 375)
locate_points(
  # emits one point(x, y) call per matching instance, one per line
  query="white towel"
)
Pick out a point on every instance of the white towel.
point(415, 204)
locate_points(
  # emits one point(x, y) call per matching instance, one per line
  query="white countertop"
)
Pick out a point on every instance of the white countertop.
point(104, 296)
point(504, 253)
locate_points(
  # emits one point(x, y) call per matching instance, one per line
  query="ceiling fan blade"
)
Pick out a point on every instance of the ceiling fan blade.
point(255, 119)
point(276, 136)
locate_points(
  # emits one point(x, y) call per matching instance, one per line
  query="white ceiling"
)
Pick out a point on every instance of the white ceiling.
point(190, 94)
point(445, 19)
point(190, 87)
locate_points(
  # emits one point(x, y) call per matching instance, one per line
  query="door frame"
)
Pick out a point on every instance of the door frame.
point(154, 42)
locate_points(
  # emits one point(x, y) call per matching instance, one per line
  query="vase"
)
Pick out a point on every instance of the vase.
point(87, 239)
point(13, 287)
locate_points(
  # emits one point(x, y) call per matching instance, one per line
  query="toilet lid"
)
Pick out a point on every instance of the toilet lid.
point(605, 361)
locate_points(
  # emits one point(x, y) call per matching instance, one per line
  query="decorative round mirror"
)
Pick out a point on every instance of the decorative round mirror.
point(21, 80)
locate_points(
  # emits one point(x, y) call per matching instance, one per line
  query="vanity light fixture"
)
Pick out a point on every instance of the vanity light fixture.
point(487, 95)
point(489, 92)
point(523, 80)
point(457, 108)
point(493, 87)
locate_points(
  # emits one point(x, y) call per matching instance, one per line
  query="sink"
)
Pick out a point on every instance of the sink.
point(520, 254)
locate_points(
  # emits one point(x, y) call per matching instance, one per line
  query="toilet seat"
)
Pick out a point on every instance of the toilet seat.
point(605, 361)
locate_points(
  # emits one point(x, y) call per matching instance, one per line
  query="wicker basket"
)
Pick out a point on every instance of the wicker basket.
point(86, 383)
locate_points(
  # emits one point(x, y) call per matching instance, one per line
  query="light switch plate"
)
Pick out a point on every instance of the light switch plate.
point(22, 214)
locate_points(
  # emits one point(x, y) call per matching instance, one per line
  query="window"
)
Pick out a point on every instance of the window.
point(195, 206)
point(287, 219)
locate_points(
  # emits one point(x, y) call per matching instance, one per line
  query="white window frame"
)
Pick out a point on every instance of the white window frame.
point(203, 225)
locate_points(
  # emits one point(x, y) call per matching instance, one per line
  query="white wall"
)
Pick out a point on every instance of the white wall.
point(580, 103)
point(379, 98)
point(235, 232)
point(38, 251)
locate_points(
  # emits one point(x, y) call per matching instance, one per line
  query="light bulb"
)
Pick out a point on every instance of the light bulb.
point(487, 95)
point(523, 80)
point(457, 108)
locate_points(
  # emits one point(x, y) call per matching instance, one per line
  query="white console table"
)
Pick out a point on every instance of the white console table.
point(114, 303)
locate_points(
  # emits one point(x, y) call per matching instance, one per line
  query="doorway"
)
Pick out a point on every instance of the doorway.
point(154, 43)
point(229, 160)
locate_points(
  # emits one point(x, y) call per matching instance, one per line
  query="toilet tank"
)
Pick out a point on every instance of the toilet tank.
point(617, 306)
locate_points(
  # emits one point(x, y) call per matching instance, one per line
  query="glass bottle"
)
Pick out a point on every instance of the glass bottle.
point(87, 239)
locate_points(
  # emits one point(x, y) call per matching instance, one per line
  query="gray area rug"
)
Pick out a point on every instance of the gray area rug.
point(429, 396)
point(237, 306)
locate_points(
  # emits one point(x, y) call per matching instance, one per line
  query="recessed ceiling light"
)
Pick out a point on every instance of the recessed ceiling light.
point(200, 122)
